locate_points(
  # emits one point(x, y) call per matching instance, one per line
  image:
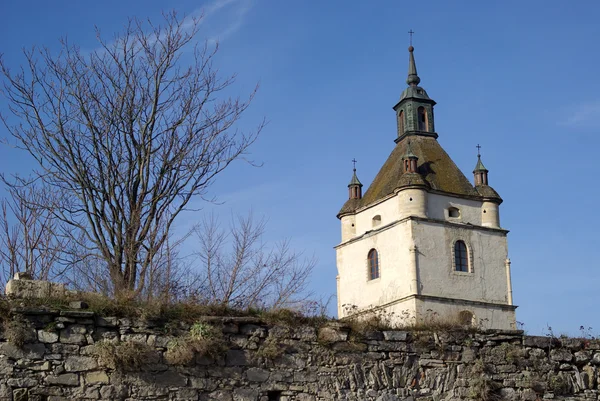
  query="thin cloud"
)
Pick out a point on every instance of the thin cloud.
point(233, 18)
point(587, 114)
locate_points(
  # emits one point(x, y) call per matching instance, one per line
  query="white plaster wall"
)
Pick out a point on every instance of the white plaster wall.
point(412, 202)
point(348, 227)
point(413, 311)
point(490, 215)
point(392, 245)
point(484, 317)
point(437, 208)
point(388, 210)
point(488, 252)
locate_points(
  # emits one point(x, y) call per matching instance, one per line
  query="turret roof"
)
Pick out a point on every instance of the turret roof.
point(355, 180)
point(479, 166)
point(434, 165)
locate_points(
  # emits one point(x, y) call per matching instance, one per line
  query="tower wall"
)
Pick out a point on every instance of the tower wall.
point(356, 290)
point(484, 317)
point(469, 210)
point(490, 215)
point(487, 252)
point(348, 227)
point(412, 202)
point(366, 220)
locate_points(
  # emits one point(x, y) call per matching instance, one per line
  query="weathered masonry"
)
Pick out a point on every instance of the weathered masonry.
point(424, 241)
point(60, 360)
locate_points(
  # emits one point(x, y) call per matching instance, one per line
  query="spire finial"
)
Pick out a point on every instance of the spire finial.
point(355, 186)
point(480, 168)
point(413, 79)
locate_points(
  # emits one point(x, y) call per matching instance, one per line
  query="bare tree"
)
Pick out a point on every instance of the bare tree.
point(30, 236)
point(243, 271)
point(130, 133)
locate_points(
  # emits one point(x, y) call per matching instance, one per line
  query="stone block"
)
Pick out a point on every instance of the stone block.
point(78, 314)
point(66, 379)
point(561, 355)
point(74, 334)
point(332, 335)
point(187, 394)
point(170, 379)
point(257, 374)
point(80, 363)
point(96, 377)
point(114, 392)
point(24, 382)
point(236, 357)
point(245, 394)
point(395, 335)
point(47, 337)
point(34, 289)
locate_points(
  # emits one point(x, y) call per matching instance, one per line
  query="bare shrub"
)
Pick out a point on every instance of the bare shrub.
point(243, 271)
point(31, 237)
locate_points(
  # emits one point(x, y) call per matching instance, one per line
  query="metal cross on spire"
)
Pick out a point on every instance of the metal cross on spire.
point(411, 35)
point(478, 150)
point(354, 164)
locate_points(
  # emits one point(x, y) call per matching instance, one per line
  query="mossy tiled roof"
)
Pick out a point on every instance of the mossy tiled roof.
point(434, 166)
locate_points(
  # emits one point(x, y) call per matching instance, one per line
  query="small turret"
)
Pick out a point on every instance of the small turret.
point(409, 160)
point(355, 186)
point(347, 214)
point(490, 209)
point(413, 194)
point(480, 172)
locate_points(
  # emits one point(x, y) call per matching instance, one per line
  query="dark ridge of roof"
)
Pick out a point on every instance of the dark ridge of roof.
point(434, 165)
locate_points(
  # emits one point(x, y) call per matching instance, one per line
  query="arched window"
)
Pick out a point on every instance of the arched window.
point(373, 264)
point(422, 116)
point(401, 122)
point(465, 318)
point(461, 257)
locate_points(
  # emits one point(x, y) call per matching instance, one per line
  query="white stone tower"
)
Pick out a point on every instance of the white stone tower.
point(423, 242)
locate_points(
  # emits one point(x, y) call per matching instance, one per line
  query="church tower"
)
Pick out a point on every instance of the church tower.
point(423, 242)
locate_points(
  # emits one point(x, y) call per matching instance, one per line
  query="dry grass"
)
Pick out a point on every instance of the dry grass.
point(202, 339)
point(125, 356)
point(18, 331)
point(164, 312)
point(288, 317)
point(180, 351)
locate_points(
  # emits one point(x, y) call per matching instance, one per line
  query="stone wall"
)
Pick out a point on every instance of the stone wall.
point(56, 358)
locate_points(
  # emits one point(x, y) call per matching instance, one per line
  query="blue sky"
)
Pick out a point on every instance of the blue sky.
point(520, 78)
